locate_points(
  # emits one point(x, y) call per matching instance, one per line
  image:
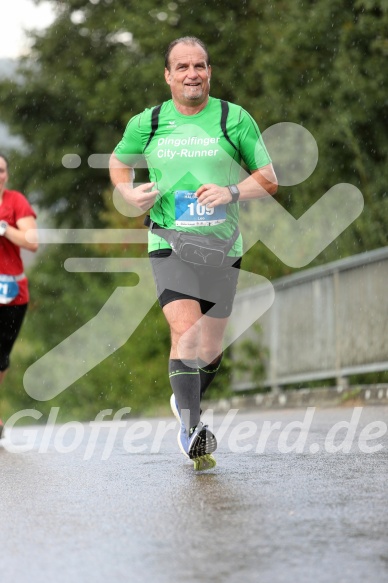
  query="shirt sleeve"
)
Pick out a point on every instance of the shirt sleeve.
point(130, 147)
point(252, 147)
point(22, 208)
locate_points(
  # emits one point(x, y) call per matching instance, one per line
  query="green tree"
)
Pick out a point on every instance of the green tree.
point(319, 63)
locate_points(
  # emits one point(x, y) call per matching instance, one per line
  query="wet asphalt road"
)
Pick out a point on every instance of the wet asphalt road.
point(120, 503)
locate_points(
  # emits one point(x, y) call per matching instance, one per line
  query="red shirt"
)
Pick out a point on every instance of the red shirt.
point(15, 206)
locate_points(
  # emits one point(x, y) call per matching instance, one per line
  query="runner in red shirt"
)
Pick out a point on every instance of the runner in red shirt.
point(16, 218)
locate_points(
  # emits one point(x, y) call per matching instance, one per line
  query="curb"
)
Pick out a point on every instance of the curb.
point(293, 398)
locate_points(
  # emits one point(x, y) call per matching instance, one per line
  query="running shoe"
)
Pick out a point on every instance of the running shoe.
point(204, 462)
point(197, 444)
point(174, 407)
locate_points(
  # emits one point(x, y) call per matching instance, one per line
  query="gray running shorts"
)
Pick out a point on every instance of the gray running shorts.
point(213, 287)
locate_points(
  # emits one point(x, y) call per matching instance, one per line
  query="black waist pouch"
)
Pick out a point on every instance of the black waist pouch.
point(197, 249)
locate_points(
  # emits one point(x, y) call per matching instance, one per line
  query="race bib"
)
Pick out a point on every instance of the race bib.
point(190, 213)
point(9, 289)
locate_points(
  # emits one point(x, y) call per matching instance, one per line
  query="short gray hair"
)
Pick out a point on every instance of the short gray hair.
point(188, 40)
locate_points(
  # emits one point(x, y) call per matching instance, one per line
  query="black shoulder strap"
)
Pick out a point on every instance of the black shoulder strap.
point(154, 124)
point(224, 117)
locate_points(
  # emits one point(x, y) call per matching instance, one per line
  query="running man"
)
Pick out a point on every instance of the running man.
point(193, 145)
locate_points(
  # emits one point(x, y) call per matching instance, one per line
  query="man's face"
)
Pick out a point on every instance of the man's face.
point(189, 75)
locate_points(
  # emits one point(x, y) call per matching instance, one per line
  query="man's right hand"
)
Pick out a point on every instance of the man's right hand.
point(141, 197)
point(122, 176)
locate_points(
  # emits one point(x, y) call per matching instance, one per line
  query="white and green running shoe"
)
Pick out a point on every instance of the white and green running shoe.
point(197, 444)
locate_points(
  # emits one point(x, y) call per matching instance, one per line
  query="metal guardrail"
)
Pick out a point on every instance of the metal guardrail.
point(326, 322)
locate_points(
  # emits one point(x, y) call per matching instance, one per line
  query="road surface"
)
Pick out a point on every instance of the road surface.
point(297, 495)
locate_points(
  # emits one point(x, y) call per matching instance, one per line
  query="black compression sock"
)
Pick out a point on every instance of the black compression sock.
point(185, 383)
point(207, 373)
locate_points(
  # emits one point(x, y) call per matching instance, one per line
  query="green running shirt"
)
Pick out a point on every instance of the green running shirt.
point(186, 152)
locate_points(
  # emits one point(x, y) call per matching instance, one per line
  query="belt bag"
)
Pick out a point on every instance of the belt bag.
point(197, 249)
point(9, 287)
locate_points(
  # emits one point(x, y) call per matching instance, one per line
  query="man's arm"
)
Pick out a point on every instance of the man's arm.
point(262, 182)
point(121, 175)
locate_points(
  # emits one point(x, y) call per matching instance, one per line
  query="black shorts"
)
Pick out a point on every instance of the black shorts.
point(11, 319)
point(213, 288)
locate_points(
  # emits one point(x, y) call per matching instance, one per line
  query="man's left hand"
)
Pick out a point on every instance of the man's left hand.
point(213, 195)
